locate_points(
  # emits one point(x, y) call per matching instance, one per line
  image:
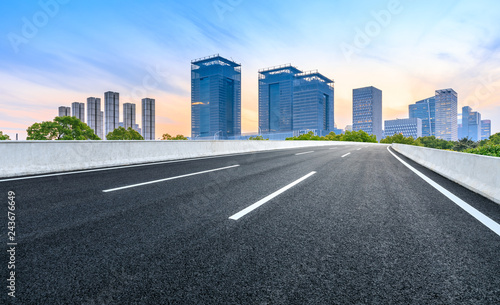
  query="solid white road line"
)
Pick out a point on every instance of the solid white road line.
point(266, 199)
point(485, 220)
point(166, 179)
point(303, 153)
point(346, 155)
point(333, 148)
point(358, 149)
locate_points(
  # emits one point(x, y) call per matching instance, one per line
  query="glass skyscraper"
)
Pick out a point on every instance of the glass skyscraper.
point(215, 97)
point(95, 115)
point(64, 111)
point(111, 111)
point(148, 118)
point(485, 129)
point(367, 111)
point(294, 101)
point(411, 127)
point(128, 115)
point(471, 124)
point(426, 111)
point(446, 115)
point(78, 110)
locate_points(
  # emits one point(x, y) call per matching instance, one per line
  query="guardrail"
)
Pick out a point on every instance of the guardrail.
point(480, 174)
point(18, 158)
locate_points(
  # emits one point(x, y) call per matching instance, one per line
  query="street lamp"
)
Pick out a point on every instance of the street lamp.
point(215, 135)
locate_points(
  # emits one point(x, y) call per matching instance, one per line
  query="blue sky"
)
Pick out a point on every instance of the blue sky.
point(84, 48)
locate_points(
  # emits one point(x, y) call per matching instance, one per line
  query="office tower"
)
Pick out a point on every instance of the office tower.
point(64, 111)
point(148, 118)
point(348, 127)
point(367, 111)
point(111, 111)
point(471, 124)
point(276, 98)
point(128, 115)
point(292, 100)
point(411, 127)
point(426, 111)
point(446, 115)
point(95, 115)
point(485, 129)
point(215, 97)
point(78, 110)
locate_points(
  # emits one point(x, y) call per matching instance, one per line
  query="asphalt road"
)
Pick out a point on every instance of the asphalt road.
point(359, 228)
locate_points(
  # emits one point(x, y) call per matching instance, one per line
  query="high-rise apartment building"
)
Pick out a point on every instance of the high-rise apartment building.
point(367, 111)
point(411, 127)
point(78, 110)
point(128, 115)
point(471, 124)
point(111, 111)
point(292, 100)
point(95, 116)
point(446, 115)
point(64, 111)
point(485, 129)
point(215, 97)
point(148, 119)
point(426, 111)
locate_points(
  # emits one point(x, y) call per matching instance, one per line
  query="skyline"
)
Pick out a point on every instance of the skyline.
point(145, 50)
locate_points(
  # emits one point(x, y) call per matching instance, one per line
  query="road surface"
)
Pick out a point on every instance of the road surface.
point(322, 225)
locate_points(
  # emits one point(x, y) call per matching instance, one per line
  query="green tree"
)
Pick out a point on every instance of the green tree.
point(464, 144)
point(306, 137)
point(492, 140)
point(121, 133)
point(359, 136)
point(169, 137)
point(61, 128)
point(333, 137)
point(486, 150)
point(433, 142)
point(258, 138)
point(4, 136)
point(399, 138)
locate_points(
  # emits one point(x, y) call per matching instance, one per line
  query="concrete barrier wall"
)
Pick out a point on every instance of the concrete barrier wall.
point(480, 174)
point(18, 158)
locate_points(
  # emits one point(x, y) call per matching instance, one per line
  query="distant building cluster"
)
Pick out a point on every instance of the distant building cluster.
point(104, 122)
point(291, 102)
point(438, 116)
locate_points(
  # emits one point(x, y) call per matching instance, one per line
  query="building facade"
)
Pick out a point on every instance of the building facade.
point(471, 124)
point(128, 115)
point(215, 98)
point(78, 110)
point(148, 119)
point(485, 129)
point(411, 127)
point(111, 111)
point(95, 116)
point(367, 111)
point(446, 115)
point(64, 111)
point(426, 111)
point(294, 101)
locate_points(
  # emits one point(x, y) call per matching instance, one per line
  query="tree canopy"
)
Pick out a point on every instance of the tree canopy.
point(121, 133)
point(4, 136)
point(399, 138)
point(61, 128)
point(258, 138)
point(353, 136)
point(167, 136)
